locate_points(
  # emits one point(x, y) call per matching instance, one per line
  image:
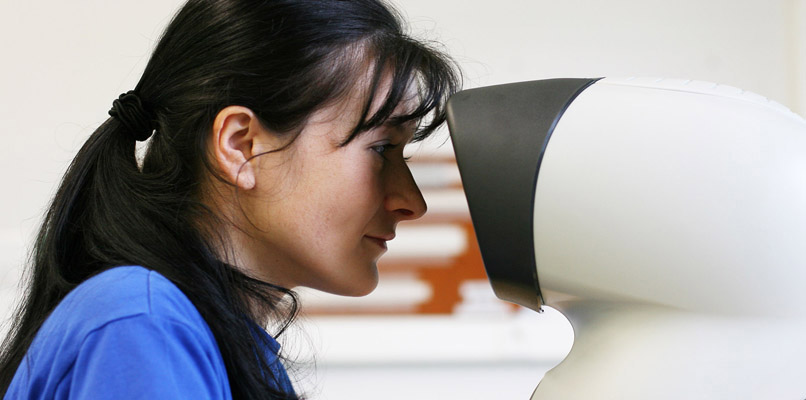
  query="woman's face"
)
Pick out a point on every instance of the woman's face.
point(321, 213)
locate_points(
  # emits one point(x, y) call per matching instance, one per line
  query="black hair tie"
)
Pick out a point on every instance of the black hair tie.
point(129, 110)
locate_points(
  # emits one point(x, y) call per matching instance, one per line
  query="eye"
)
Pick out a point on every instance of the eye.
point(383, 148)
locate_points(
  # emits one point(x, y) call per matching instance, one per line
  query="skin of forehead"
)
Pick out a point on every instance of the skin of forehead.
point(348, 108)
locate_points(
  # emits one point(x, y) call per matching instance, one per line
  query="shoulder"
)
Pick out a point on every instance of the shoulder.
point(129, 327)
point(120, 293)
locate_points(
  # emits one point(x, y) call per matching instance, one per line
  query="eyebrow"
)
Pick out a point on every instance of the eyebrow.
point(399, 120)
point(401, 129)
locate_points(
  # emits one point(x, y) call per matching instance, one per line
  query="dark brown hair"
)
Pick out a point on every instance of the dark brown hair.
point(283, 59)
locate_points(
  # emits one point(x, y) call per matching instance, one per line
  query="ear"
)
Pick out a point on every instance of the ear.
point(235, 130)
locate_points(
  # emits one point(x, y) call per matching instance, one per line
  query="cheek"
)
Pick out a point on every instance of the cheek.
point(352, 194)
point(340, 195)
point(323, 201)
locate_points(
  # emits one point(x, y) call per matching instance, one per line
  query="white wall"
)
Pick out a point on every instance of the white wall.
point(744, 43)
point(65, 61)
point(63, 64)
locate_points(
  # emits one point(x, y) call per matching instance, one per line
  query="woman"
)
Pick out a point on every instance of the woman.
point(274, 160)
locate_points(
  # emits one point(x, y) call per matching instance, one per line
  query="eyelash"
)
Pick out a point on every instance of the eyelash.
point(383, 148)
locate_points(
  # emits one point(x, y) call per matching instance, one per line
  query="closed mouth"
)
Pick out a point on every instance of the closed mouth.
point(379, 241)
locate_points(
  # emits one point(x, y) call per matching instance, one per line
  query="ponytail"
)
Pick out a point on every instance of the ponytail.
point(108, 213)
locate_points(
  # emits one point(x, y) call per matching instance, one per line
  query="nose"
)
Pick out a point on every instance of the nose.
point(403, 197)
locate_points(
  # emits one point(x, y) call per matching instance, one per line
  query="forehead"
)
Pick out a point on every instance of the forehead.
point(346, 113)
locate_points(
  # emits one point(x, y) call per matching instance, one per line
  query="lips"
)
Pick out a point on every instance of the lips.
point(385, 237)
point(381, 240)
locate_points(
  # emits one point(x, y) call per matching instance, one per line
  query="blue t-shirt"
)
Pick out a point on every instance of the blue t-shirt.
point(127, 333)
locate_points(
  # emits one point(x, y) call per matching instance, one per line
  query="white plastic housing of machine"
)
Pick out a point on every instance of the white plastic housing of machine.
point(666, 219)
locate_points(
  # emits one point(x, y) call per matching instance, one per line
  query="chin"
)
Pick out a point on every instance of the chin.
point(360, 290)
point(359, 286)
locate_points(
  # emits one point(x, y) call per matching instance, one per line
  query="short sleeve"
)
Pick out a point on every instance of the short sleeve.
point(146, 357)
